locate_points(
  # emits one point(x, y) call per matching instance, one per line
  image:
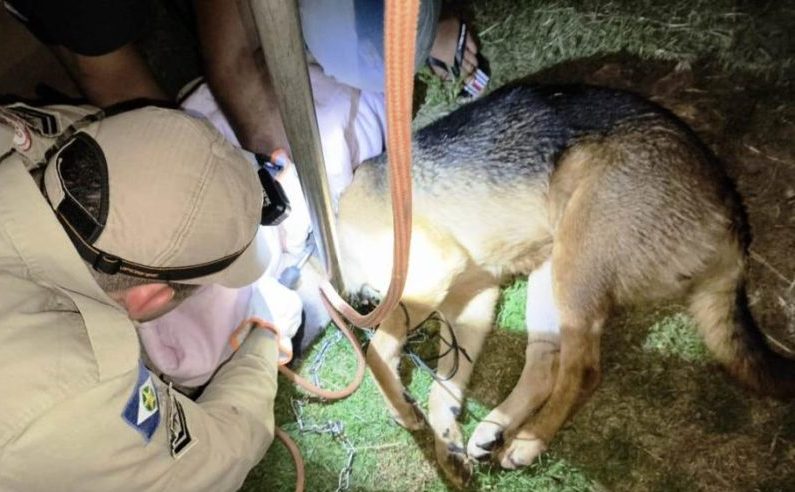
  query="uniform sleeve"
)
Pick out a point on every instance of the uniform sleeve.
point(113, 438)
point(232, 422)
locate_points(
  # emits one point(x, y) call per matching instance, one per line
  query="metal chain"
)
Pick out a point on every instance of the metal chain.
point(335, 428)
point(320, 358)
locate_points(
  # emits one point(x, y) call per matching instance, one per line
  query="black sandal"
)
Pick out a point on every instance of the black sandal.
point(480, 77)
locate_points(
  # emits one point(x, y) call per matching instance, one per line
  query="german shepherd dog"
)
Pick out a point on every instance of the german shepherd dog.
point(604, 199)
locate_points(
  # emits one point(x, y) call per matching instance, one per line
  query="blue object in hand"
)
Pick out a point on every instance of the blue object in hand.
point(292, 274)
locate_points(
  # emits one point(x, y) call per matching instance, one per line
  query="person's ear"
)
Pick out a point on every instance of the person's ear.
point(145, 302)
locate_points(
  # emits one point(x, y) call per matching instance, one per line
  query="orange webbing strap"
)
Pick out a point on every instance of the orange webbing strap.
point(292, 447)
point(285, 351)
point(400, 35)
point(360, 365)
point(286, 354)
point(259, 323)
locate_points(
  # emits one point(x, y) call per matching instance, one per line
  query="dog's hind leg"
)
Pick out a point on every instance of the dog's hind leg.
point(538, 375)
point(581, 287)
point(470, 310)
point(578, 375)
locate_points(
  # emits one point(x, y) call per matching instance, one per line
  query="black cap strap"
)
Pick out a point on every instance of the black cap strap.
point(84, 228)
point(111, 265)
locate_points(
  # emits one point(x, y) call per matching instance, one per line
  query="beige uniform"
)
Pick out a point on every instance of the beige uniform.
point(78, 411)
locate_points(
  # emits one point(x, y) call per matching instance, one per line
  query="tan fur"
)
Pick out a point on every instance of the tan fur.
point(633, 216)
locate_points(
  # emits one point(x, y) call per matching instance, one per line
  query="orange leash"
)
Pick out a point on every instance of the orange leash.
point(292, 447)
point(360, 365)
point(401, 25)
point(400, 35)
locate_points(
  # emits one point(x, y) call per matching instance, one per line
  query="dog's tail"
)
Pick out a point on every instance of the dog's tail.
point(720, 307)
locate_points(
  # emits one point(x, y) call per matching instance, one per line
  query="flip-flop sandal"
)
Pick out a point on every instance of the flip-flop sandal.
point(480, 77)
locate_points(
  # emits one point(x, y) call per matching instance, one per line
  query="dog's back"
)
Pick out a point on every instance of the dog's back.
point(497, 173)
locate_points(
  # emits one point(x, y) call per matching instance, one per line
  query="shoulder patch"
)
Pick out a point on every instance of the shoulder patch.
point(179, 436)
point(142, 411)
point(41, 121)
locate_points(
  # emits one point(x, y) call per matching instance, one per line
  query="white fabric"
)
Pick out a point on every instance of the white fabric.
point(190, 342)
point(348, 136)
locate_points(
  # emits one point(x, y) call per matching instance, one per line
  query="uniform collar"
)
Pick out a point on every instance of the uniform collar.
point(51, 261)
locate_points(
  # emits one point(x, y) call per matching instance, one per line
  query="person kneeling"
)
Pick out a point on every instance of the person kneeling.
point(106, 222)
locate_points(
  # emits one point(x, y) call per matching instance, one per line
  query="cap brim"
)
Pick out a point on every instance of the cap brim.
point(245, 270)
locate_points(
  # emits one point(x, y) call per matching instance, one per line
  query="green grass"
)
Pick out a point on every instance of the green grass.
point(676, 336)
point(385, 451)
point(525, 36)
point(647, 428)
point(510, 314)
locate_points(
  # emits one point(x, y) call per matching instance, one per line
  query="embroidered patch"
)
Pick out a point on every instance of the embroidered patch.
point(142, 411)
point(39, 121)
point(22, 139)
point(179, 436)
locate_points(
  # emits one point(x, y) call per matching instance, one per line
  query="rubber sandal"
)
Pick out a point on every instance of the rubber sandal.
point(480, 77)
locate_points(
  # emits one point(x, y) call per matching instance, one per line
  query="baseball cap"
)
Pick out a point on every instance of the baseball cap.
point(171, 199)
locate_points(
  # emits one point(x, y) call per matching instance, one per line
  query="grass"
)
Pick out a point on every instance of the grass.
point(665, 418)
point(675, 336)
point(660, 391)
point(526, 36)
point(384, 451)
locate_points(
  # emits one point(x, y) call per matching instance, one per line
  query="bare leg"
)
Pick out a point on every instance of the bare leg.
point(237, 74)
point(118, 76)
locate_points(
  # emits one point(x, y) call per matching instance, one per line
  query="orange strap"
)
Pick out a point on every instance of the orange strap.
point(292, 447)
point(258, 323)
point(360, 365)
point(285, 356)
point(400, 35)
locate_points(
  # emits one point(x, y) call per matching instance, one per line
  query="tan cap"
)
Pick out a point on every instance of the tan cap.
point(178, 202)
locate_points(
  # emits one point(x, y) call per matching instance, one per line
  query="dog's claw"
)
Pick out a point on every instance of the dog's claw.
point(487, 438)
point(482, 451)
point(496, 443)
point(456, 465)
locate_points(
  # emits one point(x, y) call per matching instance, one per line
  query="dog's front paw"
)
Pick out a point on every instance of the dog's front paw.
point(487, 438)
point(455, 463)
point(521, 451)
